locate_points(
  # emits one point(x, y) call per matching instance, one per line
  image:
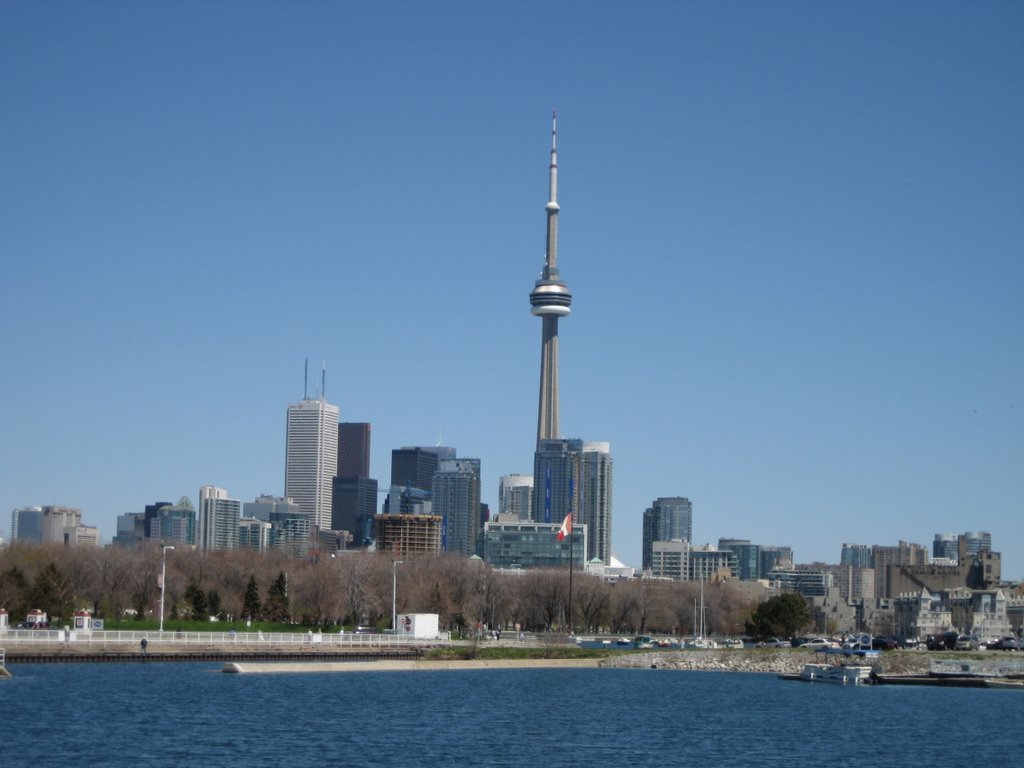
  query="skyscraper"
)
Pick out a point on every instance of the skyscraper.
point(416, 465)
point(456, 499)
point(218, 519)
point(353, 449)
point(669, 518)
point(550, 300)
point(556, 479)
point(354, 502)
point(596, 478)
point(514, 493)
point(311, 457)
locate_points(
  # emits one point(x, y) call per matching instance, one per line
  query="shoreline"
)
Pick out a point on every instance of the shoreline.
point(403, 666)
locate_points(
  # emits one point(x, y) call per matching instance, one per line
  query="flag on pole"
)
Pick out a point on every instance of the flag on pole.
point(566, 528)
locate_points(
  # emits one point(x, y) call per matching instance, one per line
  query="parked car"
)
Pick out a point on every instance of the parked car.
point(944, 642)
point(965, 643)
point(1008, 643)
point(773, 642)
point(884, 643)
point(817, 643)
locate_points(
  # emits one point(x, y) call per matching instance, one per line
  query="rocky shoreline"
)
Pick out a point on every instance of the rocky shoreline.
point(777, 661)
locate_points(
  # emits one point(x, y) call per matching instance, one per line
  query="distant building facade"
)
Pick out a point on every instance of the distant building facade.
point(455, 497)
point(596, 512)
point(529, 544)
point(218, 520)
point(669, 518)
point(353, 449)
point(311, 457)
point(514, 496)
point(409, 534)
point(748, 557)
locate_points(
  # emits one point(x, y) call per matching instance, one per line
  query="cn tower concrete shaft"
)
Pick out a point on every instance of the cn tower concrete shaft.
point(550, 300)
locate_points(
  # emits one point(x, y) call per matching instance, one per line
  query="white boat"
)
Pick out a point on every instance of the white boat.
point(700, 640)
point(836, 673)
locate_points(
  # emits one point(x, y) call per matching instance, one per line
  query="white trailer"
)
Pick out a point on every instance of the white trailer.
point(421, 626)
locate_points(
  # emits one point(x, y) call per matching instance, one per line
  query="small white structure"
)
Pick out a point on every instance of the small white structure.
point(421, 626)
point(82, 621)
point(4, 626)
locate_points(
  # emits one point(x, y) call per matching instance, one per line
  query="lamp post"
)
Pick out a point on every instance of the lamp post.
point(394, 594)
point(163, 583)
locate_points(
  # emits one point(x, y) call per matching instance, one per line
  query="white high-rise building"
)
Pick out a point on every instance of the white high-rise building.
point(218, 519)
point(311, 457)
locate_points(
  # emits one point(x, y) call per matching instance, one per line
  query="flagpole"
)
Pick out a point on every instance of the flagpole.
point(570, 582)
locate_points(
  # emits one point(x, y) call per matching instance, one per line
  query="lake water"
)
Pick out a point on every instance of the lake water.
point(192, 714)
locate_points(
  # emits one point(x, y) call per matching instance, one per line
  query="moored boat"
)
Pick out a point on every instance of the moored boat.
point(836, 673)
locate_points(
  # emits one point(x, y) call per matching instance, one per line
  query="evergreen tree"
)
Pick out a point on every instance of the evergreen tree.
point(53, 593)
point(197, 599)
point(213, 603)
point(277, 599)
point(779, 616)
point(251, 601)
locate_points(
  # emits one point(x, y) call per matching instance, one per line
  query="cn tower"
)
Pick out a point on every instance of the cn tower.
point(550, 300)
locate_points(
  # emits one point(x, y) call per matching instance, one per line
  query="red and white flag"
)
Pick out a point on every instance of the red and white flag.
point(566, 528)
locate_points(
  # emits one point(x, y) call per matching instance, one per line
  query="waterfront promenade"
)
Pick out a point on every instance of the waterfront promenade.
point(59, 645)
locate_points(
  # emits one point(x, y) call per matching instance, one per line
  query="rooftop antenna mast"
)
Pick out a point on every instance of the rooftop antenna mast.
point(323, 379)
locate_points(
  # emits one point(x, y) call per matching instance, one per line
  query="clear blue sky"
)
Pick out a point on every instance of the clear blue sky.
point(794, 233)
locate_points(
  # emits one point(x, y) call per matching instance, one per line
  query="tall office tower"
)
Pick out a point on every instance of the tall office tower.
point(596, 479)
point(60, 524)
point(856, 555)
point(353, 449)
point(353, 507)
point(354, 499)
point(884, 557)
point(557, 490)
point(131, 530)
point(311, 457)
point(171, 523)
point(218, 519)
point(945, 546)
point(456, 499)
point(416, 465)
point(550, 300)
point(514, 492)
point(27, 525)
point(973, 543)
point(748, 557)
point(669, 518)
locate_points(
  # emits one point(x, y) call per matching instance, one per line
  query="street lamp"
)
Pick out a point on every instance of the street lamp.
point(394, 593)
point(163, 583)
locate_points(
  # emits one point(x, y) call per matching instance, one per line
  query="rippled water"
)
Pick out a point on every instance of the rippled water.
point(191, 714)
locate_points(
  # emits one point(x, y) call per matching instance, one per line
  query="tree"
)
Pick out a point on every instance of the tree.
point(251, 601)
point(53, 592)
point(277, 599)
point(197, 599)
point(213, 601)
point(779, 616)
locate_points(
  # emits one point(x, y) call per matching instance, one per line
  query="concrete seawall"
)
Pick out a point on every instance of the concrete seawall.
point(401, 666)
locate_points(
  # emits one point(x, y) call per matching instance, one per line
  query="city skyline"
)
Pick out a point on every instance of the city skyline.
point(794, 235)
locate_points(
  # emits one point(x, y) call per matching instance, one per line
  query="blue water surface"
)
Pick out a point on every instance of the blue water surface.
point(192, 714)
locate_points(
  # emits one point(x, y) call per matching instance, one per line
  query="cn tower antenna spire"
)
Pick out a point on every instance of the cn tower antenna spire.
point(549, 300)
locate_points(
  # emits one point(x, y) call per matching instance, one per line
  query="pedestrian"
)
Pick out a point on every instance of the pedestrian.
point(144, 643)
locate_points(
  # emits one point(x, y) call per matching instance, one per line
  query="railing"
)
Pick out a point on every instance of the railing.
point(266, 640)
